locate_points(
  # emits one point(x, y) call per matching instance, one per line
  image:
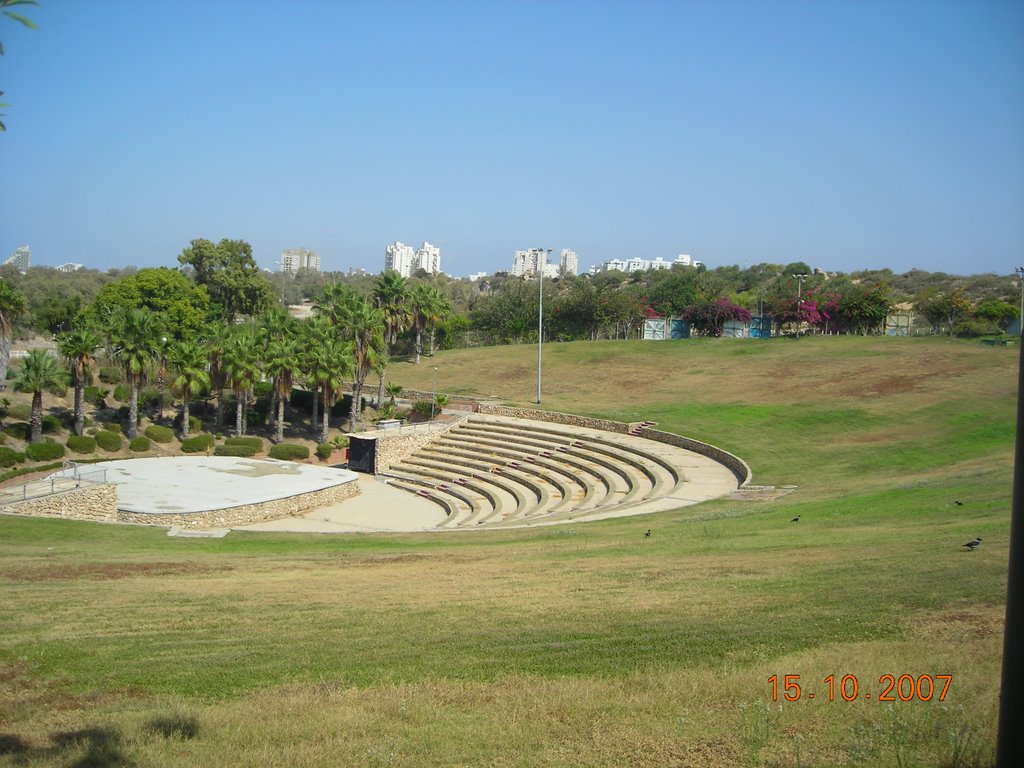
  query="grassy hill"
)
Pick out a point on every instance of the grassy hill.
point(573, 645)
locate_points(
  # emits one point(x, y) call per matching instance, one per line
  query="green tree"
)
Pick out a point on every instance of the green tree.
point(215, 341)
point(282, 365)
point(40, 371)
point(136, 337)
point(945, 309)
point(426, 307)
point(391, 295)
point(242, 369)
point(12, 306)
point(185, 305)
point(997, 312)
point(231, 275)
point(189, 363)
point(332, 368)
point(78, 348)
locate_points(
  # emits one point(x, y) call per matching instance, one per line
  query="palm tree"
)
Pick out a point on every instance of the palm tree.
point(276, 325)
point(215, 342)
point(364, 327)
point(78, 348)
point(441, 310)
point(189, 363)
point(313, 334)
point(394, 390)
point(427, 305)
point(391, 296)
point(333, 367)
point(40, 370)
point(136, 337)
point(241, 369)
point(12, 306)
point(283, 361)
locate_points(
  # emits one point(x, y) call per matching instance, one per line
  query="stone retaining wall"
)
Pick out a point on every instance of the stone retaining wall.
point(99, 503)
point(391, 450)
point(247, 513)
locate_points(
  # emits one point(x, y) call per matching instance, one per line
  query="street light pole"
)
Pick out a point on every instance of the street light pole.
point(1020, 283)
point(433, 393)
point(541, 261)
point(799, 302)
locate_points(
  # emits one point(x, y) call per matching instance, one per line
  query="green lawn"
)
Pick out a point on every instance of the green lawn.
point(573, 645)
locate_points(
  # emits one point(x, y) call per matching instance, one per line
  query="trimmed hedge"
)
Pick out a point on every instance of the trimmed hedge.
point(140, 444)
point(9, 457)
point(109, 441)
point(159, 434)
point(44, 451)
point(289, 452)
point(83, 444)
point(51, 424)
point(324, 450)
point(251, 442)
point(197, 444)
point(245, 451)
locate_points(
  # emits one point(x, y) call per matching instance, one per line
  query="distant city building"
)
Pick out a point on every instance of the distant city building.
point(528, 263)
point(294, 259)
point(428, 258)
point(570, 262)
point(404, 260)
point(477, 276)
point(70, 267)
point(643, 265)
point(21, 258)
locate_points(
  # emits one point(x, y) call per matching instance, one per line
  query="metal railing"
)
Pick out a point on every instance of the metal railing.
point(69, 478)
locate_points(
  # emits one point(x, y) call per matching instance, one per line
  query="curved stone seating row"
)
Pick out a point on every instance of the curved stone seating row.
point(495, 471)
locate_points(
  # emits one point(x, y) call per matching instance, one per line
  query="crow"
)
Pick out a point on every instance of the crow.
point(795, 519)
point(648, 534)
point(972, 545)
point(958, 503)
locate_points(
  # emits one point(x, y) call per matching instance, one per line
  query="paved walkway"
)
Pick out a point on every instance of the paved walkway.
point(377, 509)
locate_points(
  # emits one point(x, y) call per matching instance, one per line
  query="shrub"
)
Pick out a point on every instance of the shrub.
point(52, 424)
point(111, 426)
point(234, 450)
point(121, 393)
point(251, 442)
point(9, 457)
point(324, 451)
point(263, 389)
point(44, 451)
point(195, 424)
point(149, 398)
point(109, 441)
point(95, 396)
point(302, 400)
point(159, 434)
point(19, 429)
point(140, 444)
point(3, 438)
point(83, 444)
point(340, 441)
point(198, 443)
point(289, 452)
point(424, 408)
point(111, 375)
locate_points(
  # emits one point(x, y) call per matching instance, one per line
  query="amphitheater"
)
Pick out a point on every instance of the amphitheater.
point(495, 467)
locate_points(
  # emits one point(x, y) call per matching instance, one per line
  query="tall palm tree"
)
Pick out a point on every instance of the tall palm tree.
point(276, 325)
point(334, 366)
point(189, 363)
point(78, 348)
point(427, 304)
point(364, 327)
point(214, 342)
point(136, 337)
point(441, 310)
point(313, 334)
point(12, 306)
point(282, 365)
point(40, 371)
point(391, 296)
point(241, 369)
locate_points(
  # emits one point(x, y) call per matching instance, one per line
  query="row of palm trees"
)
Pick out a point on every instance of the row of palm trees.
point(348, 338)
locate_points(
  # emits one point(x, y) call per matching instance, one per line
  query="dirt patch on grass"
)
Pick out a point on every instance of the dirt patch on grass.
point(959, 626)
point(109, 571)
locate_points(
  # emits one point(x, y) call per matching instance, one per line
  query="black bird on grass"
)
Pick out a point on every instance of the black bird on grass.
point(795, 519)
point(648, 534)
point(972, 545)
point(958, 503)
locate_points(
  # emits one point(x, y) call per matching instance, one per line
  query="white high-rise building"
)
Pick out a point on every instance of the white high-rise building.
point(70, 266)
point(399, 257)
point(294, 259)
point(428, 258)
point(570, 262)
point(528, 263)
point(21, 258)
point(644, 265)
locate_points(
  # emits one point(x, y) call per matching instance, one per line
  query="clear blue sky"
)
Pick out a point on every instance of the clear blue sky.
point(848, 134)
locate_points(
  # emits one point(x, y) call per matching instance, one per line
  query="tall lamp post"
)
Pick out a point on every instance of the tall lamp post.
point(433, 392)
point(799, 302)
point(542, 259)
point(1020, 283)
